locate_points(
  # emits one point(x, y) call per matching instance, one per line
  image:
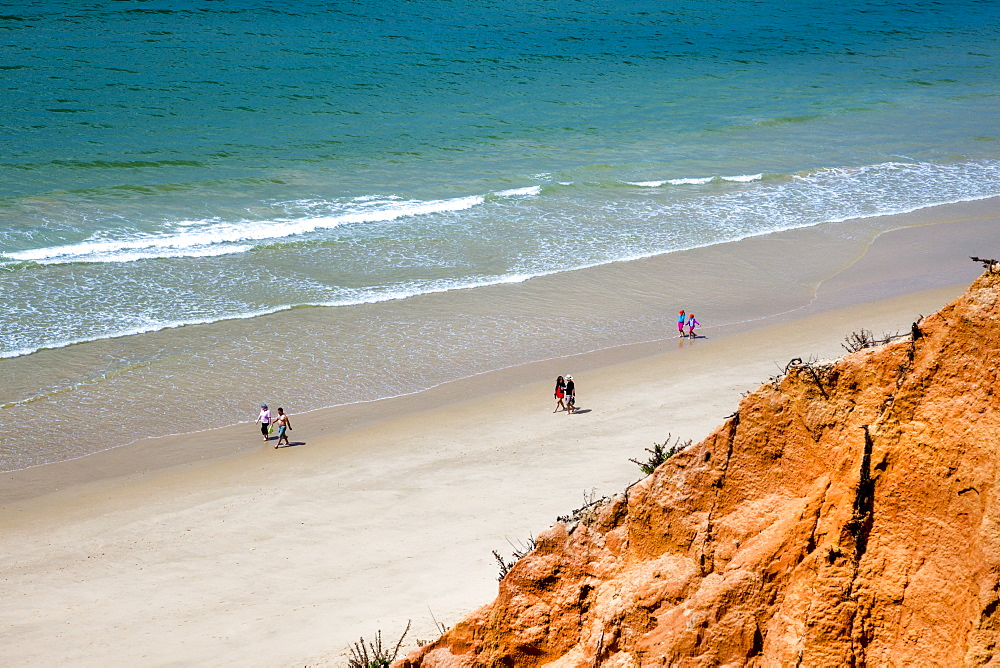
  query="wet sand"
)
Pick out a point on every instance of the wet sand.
point(388, 511)
point(106, 394)
point(194, 380)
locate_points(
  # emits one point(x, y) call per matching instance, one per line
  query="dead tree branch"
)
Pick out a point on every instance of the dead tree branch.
point(991, 266)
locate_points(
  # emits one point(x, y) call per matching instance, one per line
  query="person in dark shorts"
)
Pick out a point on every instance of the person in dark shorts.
point(570, 395)
point(265, 420)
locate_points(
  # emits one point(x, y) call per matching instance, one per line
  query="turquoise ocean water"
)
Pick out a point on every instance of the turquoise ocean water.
point(172, 163)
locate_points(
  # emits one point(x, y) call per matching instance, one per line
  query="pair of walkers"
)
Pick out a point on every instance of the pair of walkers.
point(268, 422)
point(686, 320)
point(565, 394)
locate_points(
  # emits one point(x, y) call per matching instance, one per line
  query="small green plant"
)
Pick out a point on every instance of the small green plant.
point(659, 453)
point(374, 654)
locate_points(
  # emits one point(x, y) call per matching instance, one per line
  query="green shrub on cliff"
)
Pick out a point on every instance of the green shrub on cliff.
point(659, 453)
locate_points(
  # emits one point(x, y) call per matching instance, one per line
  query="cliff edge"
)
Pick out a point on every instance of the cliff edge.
point(844, 515)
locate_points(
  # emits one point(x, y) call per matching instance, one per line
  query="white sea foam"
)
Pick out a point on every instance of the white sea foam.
point(206, 241)
point(690, 182)
point(519, 192)
point(802, 199)
point(372, 198)
point(153, 254)
point(700, 181)
point(743, 178)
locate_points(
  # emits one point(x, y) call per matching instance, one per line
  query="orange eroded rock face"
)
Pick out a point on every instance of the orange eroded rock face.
point(844, 515)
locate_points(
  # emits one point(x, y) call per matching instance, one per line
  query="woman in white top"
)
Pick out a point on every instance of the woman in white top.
point(265, 420)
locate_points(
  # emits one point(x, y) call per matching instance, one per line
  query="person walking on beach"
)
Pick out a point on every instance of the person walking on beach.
point(570, 395)
point(680, 322)
point(691, 324)
point(560, 394)
point(264, 419)
point(283, 423)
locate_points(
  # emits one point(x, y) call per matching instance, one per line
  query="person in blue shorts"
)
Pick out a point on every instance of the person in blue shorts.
point(284, 425)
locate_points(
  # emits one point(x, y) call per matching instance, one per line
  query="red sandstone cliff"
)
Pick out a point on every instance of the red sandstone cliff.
point(793, 534)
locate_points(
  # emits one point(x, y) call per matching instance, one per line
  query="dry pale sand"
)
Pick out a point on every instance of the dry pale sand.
point(285, 557)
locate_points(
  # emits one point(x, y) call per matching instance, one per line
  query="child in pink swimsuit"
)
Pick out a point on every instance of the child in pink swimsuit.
point(680, 322)
point(692, 323)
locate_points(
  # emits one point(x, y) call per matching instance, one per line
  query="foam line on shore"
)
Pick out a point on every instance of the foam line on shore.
point(717, 328)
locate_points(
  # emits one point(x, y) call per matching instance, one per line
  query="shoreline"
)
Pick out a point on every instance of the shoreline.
point(116, 393)
point(930, 235)
point(278, 310)
point(389, 511)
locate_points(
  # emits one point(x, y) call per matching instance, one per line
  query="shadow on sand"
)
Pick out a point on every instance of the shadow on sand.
point(290, 445)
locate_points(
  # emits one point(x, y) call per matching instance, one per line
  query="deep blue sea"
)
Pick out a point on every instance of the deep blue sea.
point(169, 163)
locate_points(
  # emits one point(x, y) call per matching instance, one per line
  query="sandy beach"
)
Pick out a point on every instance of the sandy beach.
point(389, 511)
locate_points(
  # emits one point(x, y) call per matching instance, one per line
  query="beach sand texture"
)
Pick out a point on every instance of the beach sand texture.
point(388, 511)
